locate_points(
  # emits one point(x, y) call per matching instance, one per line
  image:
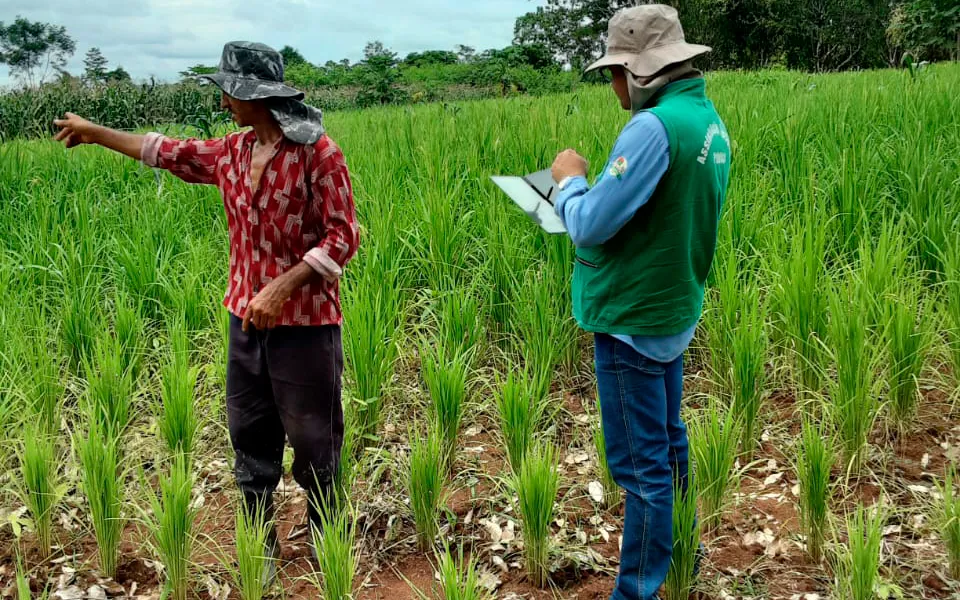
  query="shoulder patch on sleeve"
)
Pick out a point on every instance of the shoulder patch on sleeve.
point(619, 167)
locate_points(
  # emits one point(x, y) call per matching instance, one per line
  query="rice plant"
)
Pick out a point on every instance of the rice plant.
point(426, 484)
point(612, 496)
point(800, 299)
point(681, 576)
point(813, 463)
point(857, 567)
point(130, 328)
point(460, 577)
point(80, 326)
point(42, 488)
point(178, 422)
point(447, 383)
point(536, 485)
point(172, 526)
point(520, 410)
point(461, 325)
point(749, 346)
point(110, 387)
point(252, 534)
point(348, 463)
point(854, 404)
point(948, 519)
point(22, 583)
point(370, 347)
point(102, 483)
point(337, 554)
point(907, 344)
point(952, 267)
point(714, 436)
point(540, 335)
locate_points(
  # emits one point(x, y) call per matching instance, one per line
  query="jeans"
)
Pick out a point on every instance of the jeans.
point(285, 384)
point(646, 445)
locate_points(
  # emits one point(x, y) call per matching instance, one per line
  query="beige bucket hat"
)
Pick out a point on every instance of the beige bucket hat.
point(645, 39)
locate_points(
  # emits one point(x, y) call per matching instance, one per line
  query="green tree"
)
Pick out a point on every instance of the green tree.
point(197, 70)
point(431, 57)
point(33, 50)
point(829, 35)
point(465, 54)
point(574, 31)
point(928, 29)
point(291, 56)
point(95, 65)
point(378, 76)
point(117, 75)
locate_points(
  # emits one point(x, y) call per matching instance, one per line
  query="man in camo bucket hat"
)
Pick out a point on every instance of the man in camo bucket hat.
point(250, 71)
point(292, 230)
point(645, 234)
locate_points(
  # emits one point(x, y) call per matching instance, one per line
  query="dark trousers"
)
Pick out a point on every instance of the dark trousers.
point(285, 383)
point(646, 443)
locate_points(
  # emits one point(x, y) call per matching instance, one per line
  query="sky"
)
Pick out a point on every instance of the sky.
point(160, 38)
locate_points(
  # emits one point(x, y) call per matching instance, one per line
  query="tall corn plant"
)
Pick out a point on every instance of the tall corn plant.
point(102, 484)
point(907, 344)
point(447, 384)
point(714, 436)
point(853, 405)
point(426, 480)
point(536, 486)
point(41, 485)
point(857, 568)
point(520, 409)
point(177, 419)
point(172, 526)
point(813, 463)
point(948, 519)
point(681, 576)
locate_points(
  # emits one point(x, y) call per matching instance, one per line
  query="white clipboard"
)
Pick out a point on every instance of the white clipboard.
point(534, 194)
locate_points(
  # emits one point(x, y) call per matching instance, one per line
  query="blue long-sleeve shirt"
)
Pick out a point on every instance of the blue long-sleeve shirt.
point(594, 215)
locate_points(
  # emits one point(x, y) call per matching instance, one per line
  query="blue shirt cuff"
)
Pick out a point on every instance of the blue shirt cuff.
point(577, 186)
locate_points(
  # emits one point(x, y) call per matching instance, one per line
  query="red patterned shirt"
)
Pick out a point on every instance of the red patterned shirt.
point(302, 210)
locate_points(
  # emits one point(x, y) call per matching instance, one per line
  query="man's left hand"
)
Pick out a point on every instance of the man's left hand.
point(569, 164)
point(265, 308)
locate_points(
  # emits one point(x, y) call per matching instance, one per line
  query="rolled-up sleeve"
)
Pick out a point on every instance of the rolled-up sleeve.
point(192, 160)
point(331, 184)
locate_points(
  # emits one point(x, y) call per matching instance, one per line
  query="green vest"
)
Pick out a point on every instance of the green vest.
point(649, 278)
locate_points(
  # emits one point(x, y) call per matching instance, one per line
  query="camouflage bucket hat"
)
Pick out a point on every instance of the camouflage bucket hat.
point(647, 39)
point(252, 71)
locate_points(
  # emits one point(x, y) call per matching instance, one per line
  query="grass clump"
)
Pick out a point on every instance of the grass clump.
point(536, 485)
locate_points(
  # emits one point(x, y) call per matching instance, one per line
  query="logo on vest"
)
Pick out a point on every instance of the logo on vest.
point(719, 158)
point(619, 167)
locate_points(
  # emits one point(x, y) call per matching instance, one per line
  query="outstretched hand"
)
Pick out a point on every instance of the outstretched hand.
point(75, 130)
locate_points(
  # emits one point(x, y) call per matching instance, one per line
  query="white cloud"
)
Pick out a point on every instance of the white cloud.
point(162, 37)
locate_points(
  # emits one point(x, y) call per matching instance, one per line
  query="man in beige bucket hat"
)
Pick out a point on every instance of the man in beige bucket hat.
point(646, 234)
